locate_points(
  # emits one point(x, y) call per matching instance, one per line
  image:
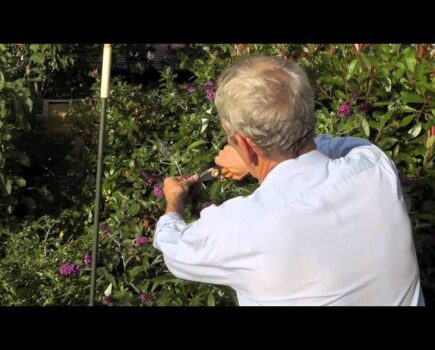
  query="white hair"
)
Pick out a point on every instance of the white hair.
point(269, 100)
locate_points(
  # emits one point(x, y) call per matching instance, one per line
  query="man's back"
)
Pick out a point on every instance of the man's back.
point(318, 231)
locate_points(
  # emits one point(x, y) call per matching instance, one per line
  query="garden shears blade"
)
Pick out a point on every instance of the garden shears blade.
point(214, 173)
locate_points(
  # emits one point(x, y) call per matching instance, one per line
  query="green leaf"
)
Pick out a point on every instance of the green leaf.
point(6, 137)
point(340, 94)
point(109, 277)
point(365, 126)
point(386, 117)
point(134, 209)
point(410, 162)
point(159, 280)
point(373, 124)
point(164, 278)
point(408, 119)
point(387, 142)
point(29, 103)
point(353, 66)
point(415, 131)
point(334, 80)
point(396, 150)
point(381, 104)
point(2, 81)
point(29, 202)
point(196, 144)
point(44, 192)
point(410, 63)
point(388, 85)
point(399, 72)
point(210, 300)
point(411, 98)
point(37, 58)
point(366, 61)
point(407, 108)
point(204, 124)
point(145, 262)
point(136, 270)
point(2, 108)
point(427, 216)
point(20, 182)
point(144, 287)
point(108, 290)
point(8, 186)
point(423, 86)
point(24, 160)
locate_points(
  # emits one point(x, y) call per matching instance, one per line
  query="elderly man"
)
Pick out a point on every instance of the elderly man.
point(328, 224)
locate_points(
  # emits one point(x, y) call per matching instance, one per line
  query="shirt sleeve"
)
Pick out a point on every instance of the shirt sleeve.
point(188, 250)
point(336, 147)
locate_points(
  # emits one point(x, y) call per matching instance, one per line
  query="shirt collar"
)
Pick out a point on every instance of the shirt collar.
point(305, 162)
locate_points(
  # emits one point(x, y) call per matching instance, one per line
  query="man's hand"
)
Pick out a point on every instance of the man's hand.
point(232, 164)
point(175, 190)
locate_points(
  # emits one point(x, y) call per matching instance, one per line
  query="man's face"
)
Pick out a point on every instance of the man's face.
point(233, 143)
point(243, 155)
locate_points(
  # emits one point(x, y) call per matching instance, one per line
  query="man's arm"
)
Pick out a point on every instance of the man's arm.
point(189, 251)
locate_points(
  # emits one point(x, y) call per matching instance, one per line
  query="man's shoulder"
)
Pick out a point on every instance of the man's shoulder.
point(362, 158)
point(372, 156)
point(369, 165)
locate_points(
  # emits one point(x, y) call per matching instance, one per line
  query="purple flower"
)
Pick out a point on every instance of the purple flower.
point(365, 107)
point(87, 259)
point(149, 177)
point(209, 90)
point(109, 300)
point(345, 109)
point(141, 240)
point(69, 269)
point(205, 205)
point(106, 230)
point(145, 298)
point(153, 179)
point(210, 96)
point(190, 88)
point(158, 191)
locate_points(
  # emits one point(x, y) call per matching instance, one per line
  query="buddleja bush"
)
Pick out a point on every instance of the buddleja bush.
point(24, 70)
point(383, 92)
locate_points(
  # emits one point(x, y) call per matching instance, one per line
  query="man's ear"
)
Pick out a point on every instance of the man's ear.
point(249, 151)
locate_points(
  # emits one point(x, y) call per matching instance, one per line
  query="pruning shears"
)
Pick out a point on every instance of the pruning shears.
point(213, 173)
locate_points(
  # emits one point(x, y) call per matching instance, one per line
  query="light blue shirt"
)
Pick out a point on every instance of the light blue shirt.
point(327, 228)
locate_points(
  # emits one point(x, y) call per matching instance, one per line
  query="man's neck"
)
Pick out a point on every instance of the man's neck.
point(266, 165)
